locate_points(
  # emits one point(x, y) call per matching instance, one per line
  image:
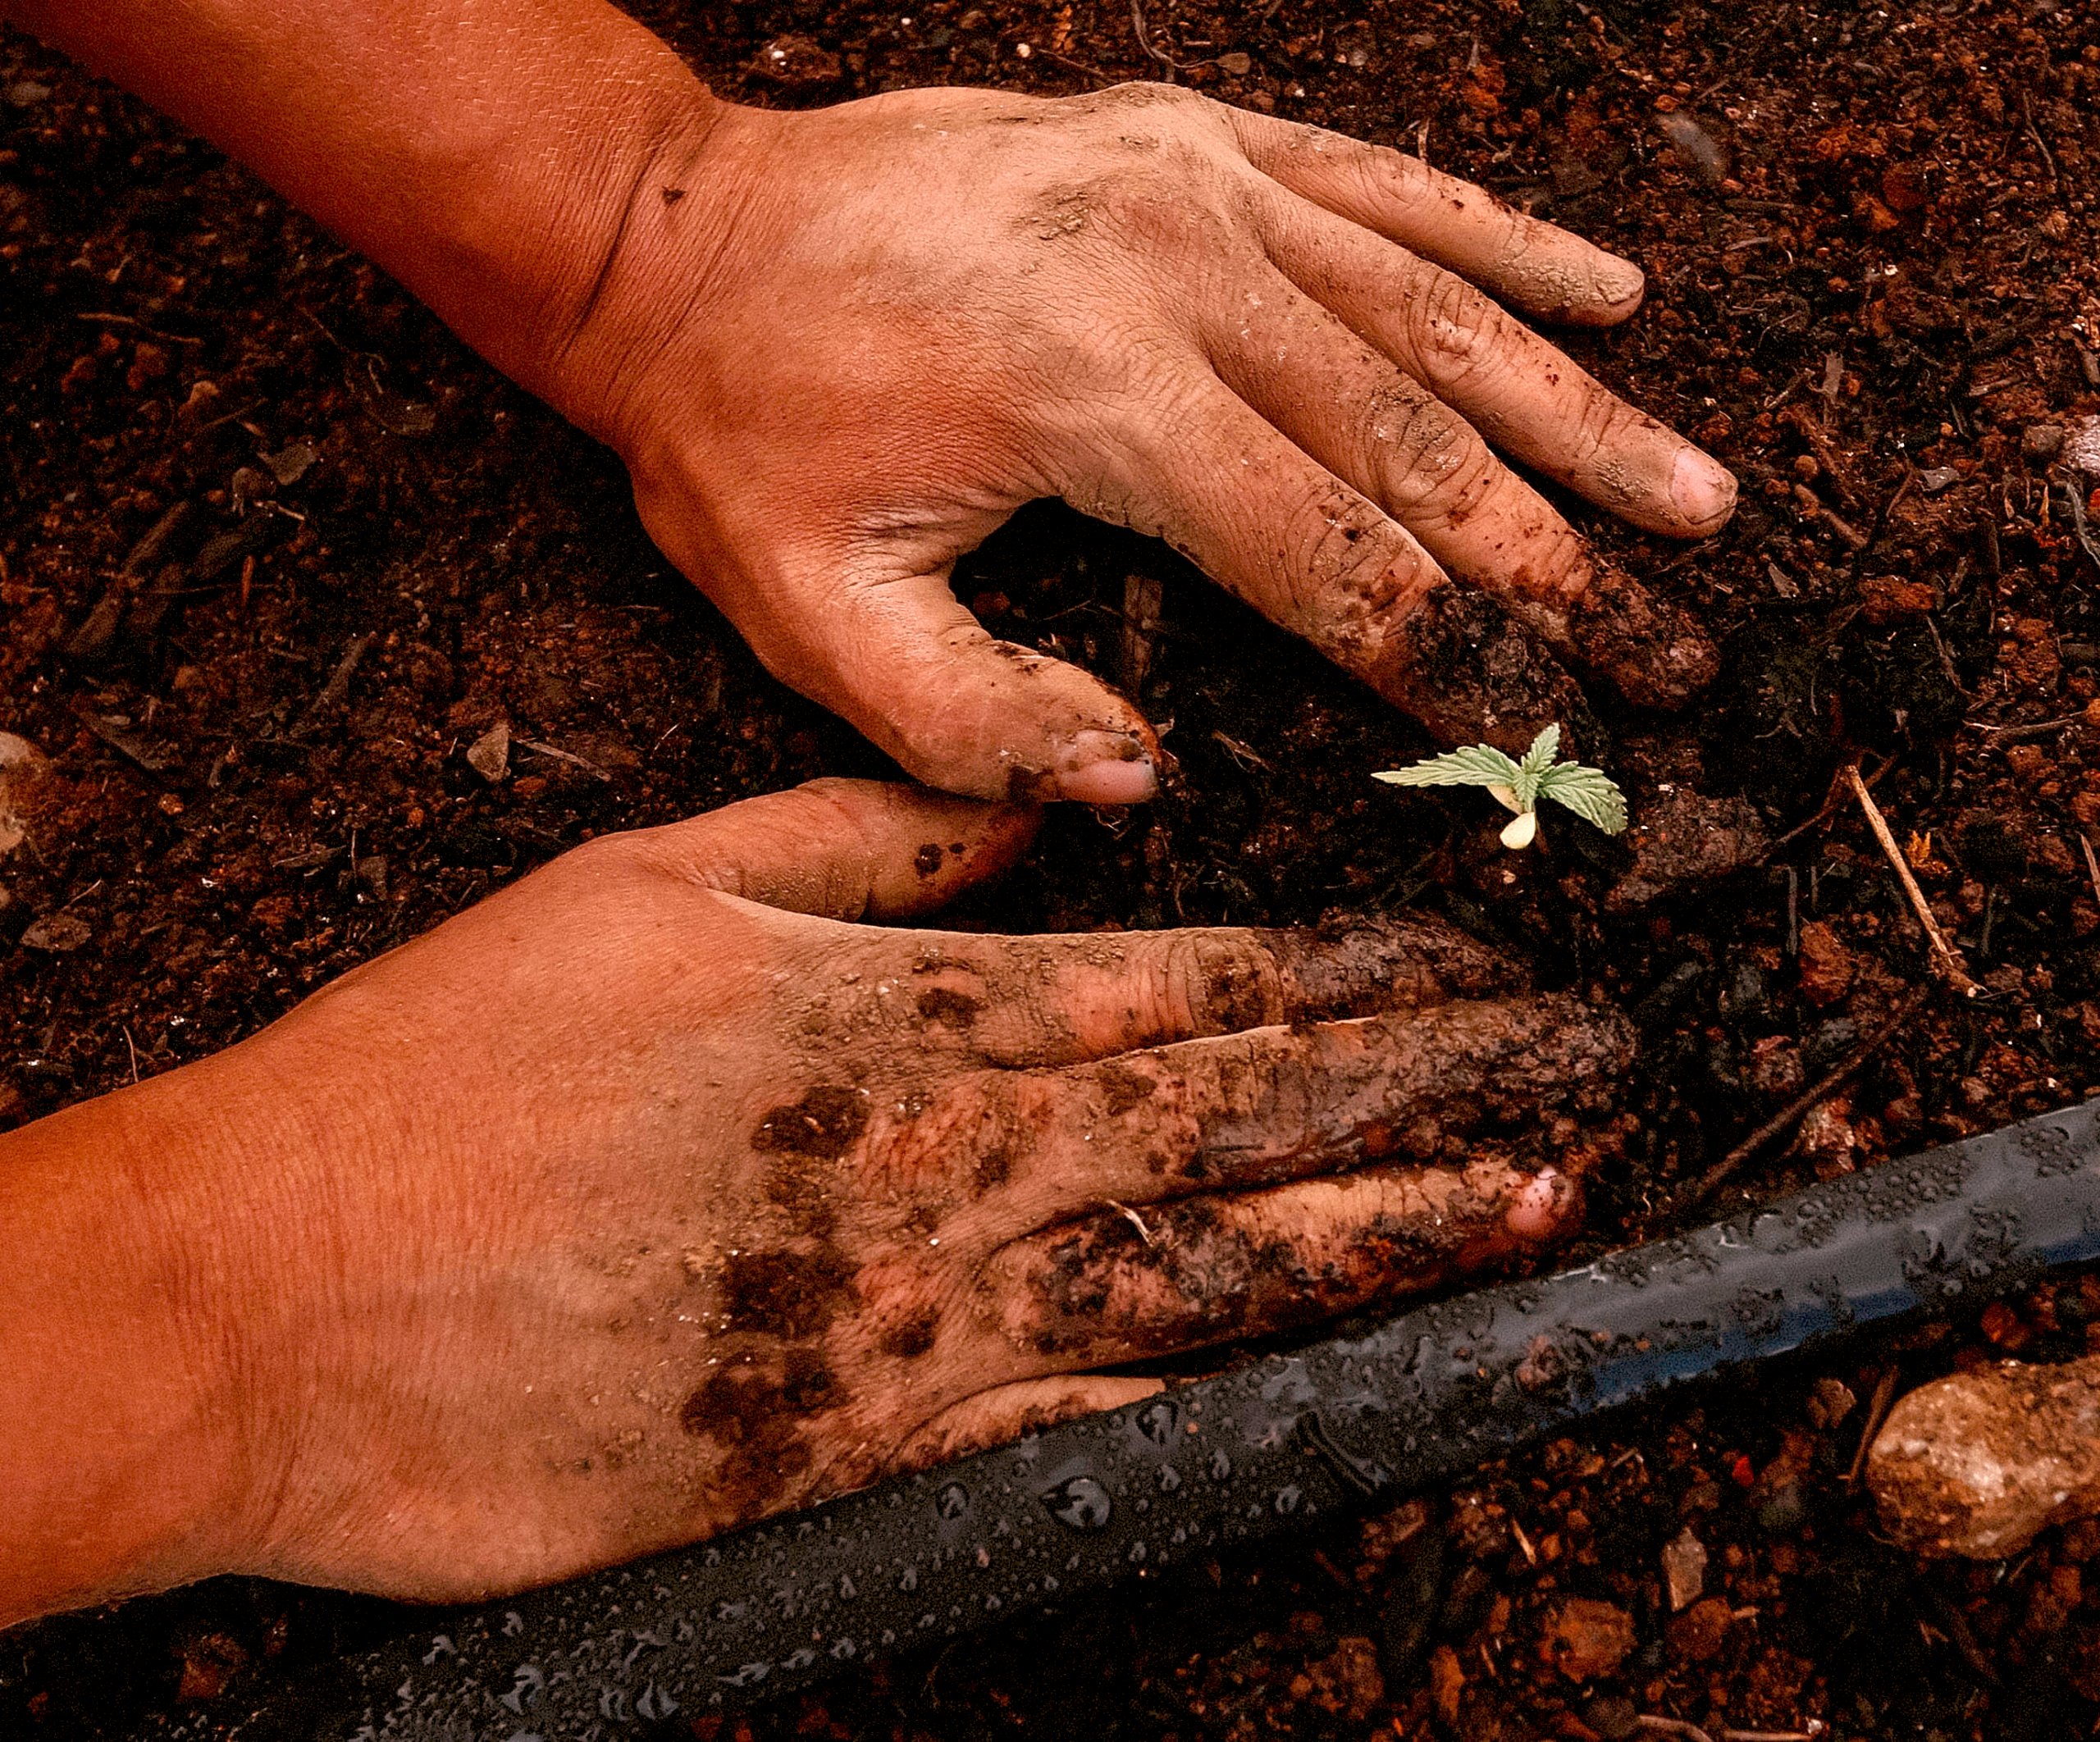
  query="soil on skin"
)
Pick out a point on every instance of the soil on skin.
point(1870, 236)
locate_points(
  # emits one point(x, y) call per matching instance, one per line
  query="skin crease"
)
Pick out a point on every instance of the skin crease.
point(621, 1209)
point(837, 348)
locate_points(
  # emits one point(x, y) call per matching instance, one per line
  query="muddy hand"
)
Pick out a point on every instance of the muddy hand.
point(867, 335)
point(654, 1195)
point(837, 348)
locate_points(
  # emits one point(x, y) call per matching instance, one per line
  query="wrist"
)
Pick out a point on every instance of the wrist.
point(659, 267)
point(126, 1449)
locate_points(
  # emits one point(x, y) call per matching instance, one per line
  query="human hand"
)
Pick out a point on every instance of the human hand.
point(653, 1195)
point(838, 348)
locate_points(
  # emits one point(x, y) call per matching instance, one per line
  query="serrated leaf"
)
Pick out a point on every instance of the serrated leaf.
point(1545, 747)
point(1476, 765)
point(1590, 793)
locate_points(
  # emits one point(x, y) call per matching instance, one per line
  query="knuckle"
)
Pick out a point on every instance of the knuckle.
point(1425, 452)
point(1356, 574)
point(1604, 423)
point(1457, 331)
point(1161, 208)
point(1214, 983)
point(1231, 982)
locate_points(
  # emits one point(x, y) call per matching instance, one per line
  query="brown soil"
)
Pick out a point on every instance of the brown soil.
point(1871, 235)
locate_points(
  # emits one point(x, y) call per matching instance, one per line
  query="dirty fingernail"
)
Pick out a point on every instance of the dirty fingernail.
point(1619, 283)
point(1106, 767)
point(1702, 489)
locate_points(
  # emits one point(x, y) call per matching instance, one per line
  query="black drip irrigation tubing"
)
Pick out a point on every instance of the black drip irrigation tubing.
point(1227, 1461)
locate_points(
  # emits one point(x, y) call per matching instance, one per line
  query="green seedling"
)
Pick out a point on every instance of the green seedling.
point(1590, 793)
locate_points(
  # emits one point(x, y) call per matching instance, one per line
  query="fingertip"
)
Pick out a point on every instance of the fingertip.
point(1652, 650)
point(1546, 1206)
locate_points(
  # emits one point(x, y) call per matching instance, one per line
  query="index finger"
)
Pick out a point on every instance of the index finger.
point(1533, 265)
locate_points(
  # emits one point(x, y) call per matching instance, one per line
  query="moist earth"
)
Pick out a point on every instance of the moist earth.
point(279, 558)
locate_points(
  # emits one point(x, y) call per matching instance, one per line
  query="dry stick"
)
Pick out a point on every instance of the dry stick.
point(1144, 41)
point(2092, 864)
point(1824, 813)
point(1670, 1726)
point(1945, 955)
point(1132, 1217)
point(2018, 734)
point(1717, 1176)
point(1877, 1408)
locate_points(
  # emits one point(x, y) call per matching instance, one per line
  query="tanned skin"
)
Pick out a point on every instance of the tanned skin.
point(658, 1194)
point(837, 348)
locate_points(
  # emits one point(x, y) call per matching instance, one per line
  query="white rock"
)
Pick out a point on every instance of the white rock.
point(1684, 1569)
point(1980, 1463)
point(2082, 447)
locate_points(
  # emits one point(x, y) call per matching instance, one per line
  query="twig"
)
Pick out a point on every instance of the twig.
point(2041, 144)
point(1877, 1408)
point(2087, 542)
point(2019, 734)
point(2092, 864)
point(1144, 41)
point(1092, 72)
point(100, 319)
point(1824, 811)
point(1670, 1726)
point(1130, 1215)
point(539, 748)
point(337, 688)
point(1878, 529)
point(1717, 1176)
point(1948, 958)
point(1772, 1735)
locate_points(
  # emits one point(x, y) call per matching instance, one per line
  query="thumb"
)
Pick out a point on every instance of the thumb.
point(901, 659)
point(845, 849)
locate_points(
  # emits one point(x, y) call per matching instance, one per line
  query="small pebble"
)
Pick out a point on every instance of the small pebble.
point(22, 765)
point(1696, 149)
point(2082, 447)
point(1829, 1402)
point(1586, 1637)
point(1684, 1569)
point(58, 934)
point(1979, 1464)
point(489, 755)
point(2042, 441)
point(288, 465)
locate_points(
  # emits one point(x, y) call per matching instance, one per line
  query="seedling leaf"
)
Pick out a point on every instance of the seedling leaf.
point(1590, 793)
point(1476, 765)
point(1539, 758)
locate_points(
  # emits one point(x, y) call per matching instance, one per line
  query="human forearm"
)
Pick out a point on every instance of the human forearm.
point(120, 1462)
point(485, 152)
